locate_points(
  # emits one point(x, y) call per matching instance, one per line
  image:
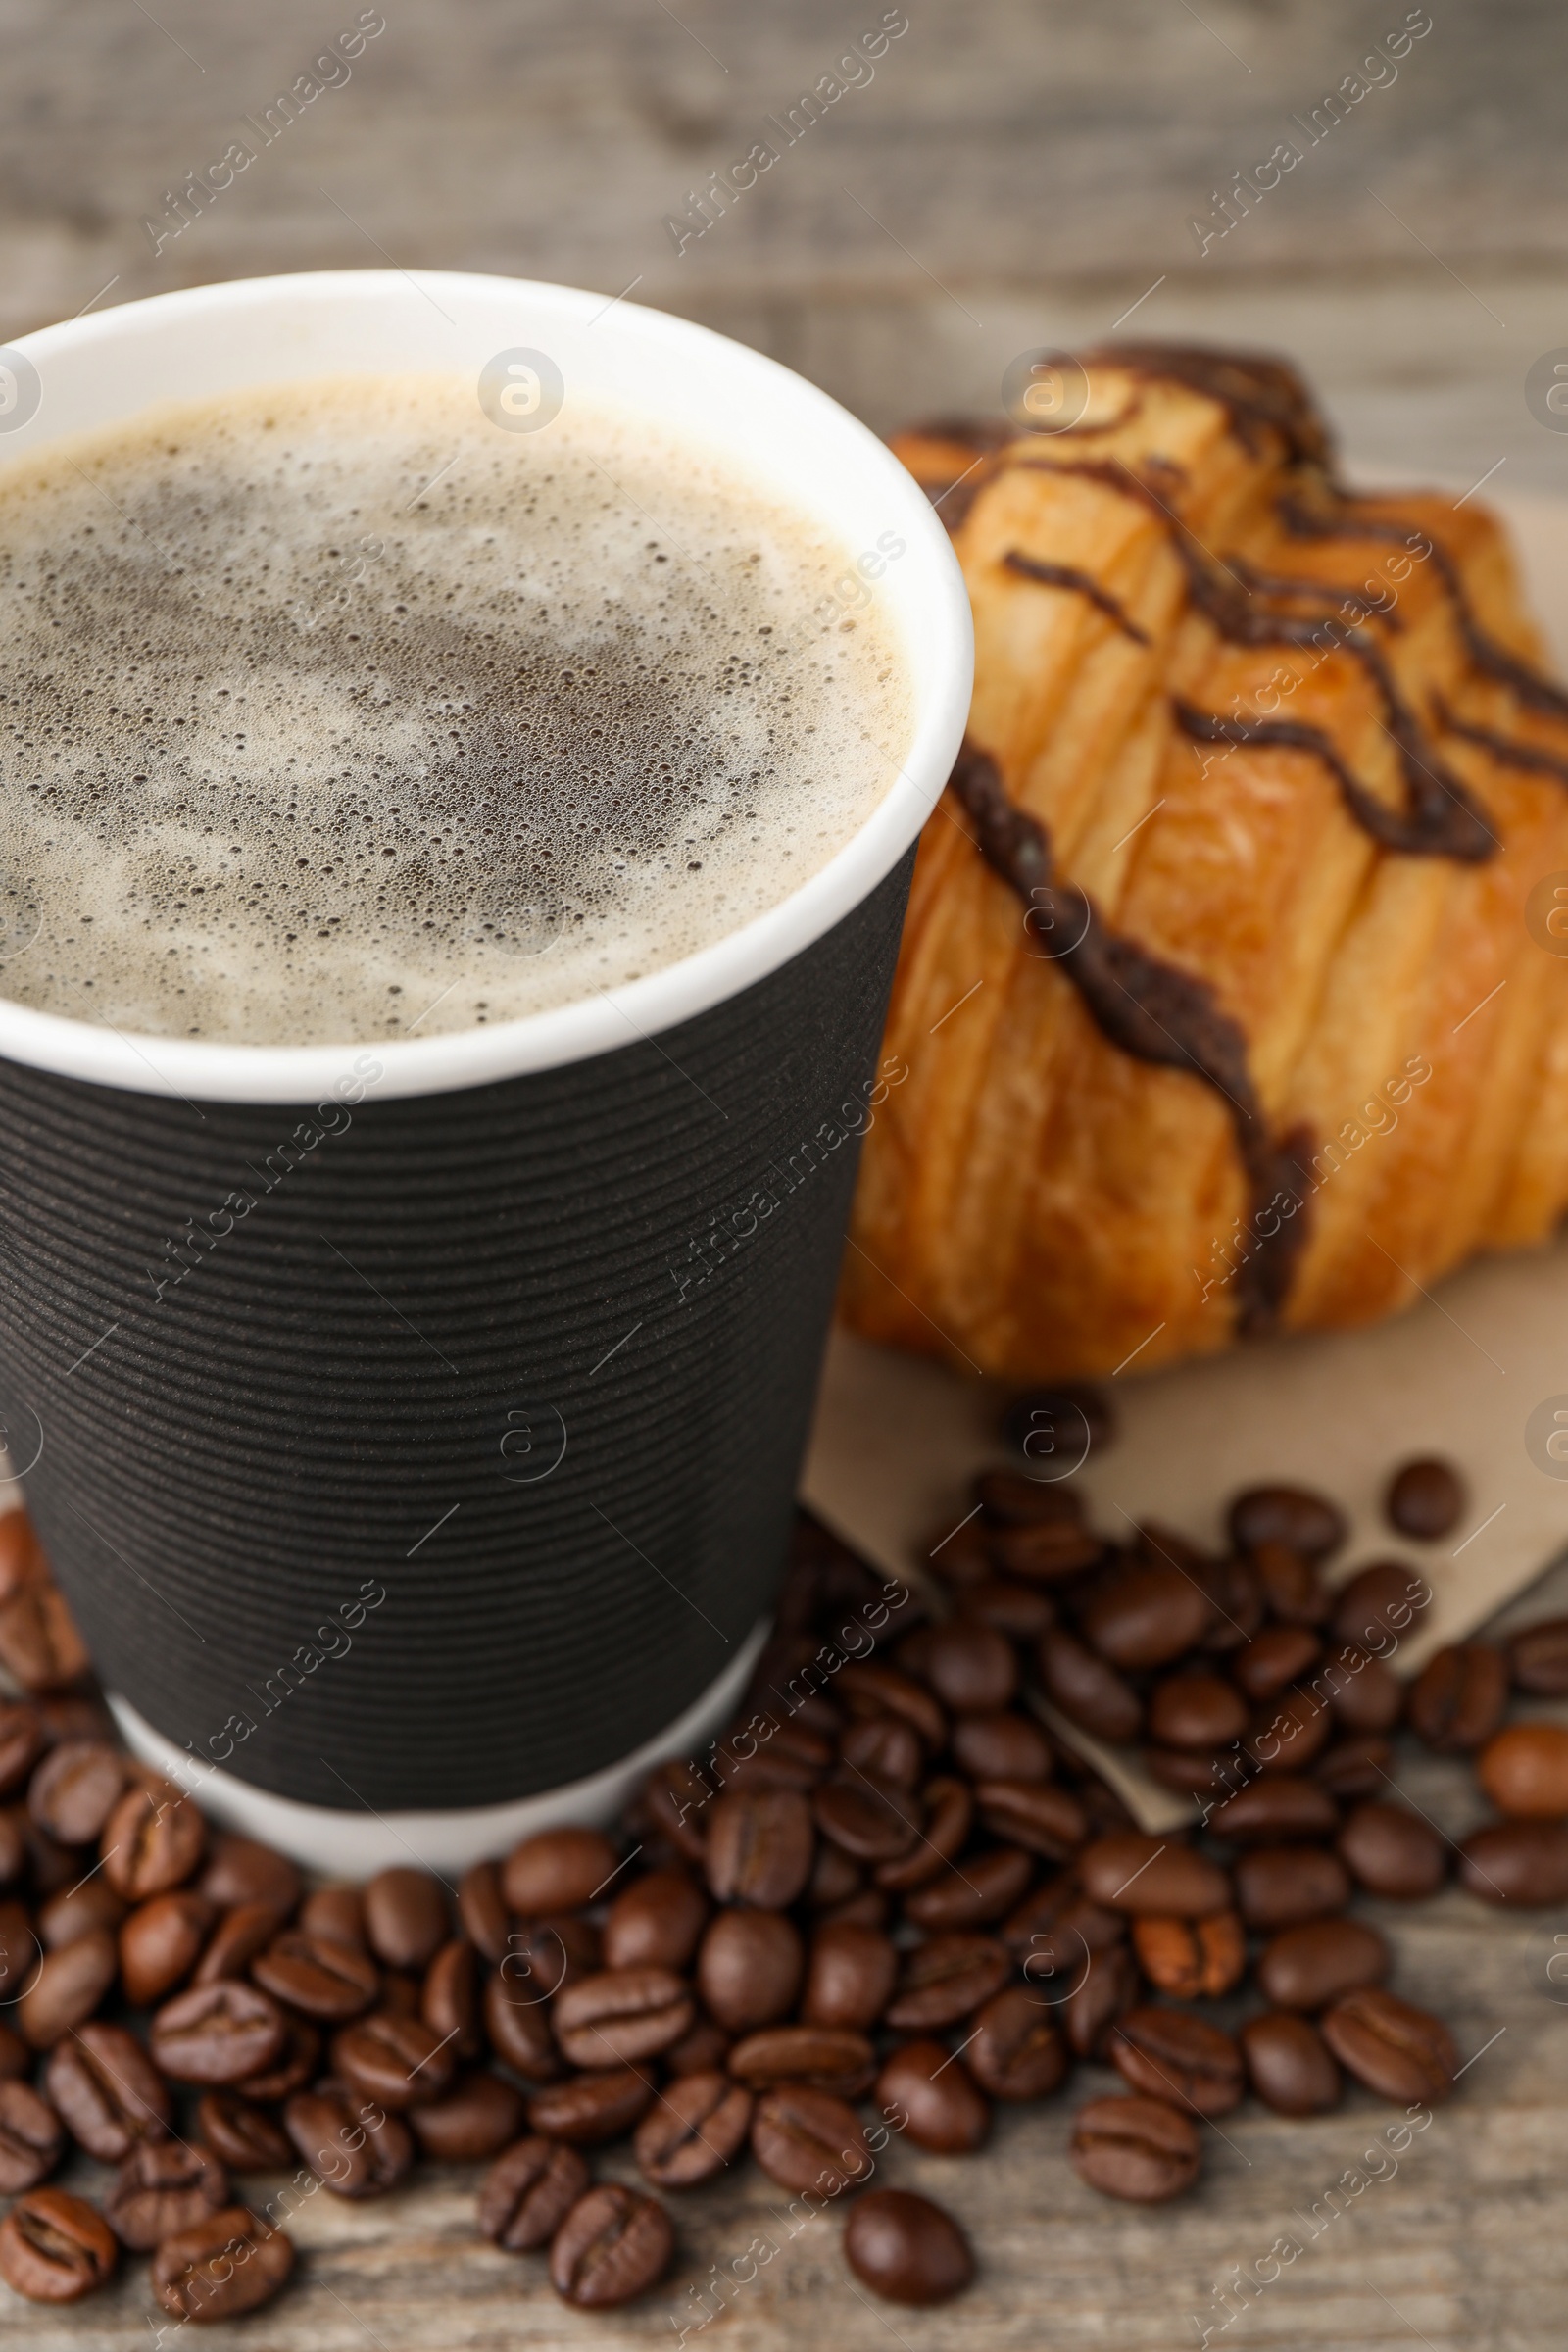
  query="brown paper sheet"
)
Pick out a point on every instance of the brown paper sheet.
point(897, 1439)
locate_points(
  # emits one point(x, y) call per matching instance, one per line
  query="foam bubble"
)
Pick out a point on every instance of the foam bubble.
point(329, 712)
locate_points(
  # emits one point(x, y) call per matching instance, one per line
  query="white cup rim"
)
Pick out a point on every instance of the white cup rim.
point(926, 595)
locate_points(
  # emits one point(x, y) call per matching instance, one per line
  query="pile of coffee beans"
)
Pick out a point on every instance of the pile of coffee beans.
point(886, 1900)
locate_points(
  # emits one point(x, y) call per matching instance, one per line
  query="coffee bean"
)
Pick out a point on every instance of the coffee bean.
point(517, 2022)
point(1275, 1659)
point(694, 2129)
point(1057, 1928)
point(163, 2186)
point(1142, 1616)
point(1192, 1959)
point(231, 2263)
point(982, 1887)
point(782, 1754)
point(545, 1957)
point(614, 2244)
point(241, 2134)
point(1302, 1522)
point(906, 2249)
point(871, 1822)
point(1042, 1820)
point(92, 1904)
point(65, 1987)
point(1020, 1612)
point(529, 2192)
point(104, 2086)
point(405, 1917)
point(54, 2247)
point(1235, 1594)
point(314, 1974)
point(759, 1846)
point(352, 2146)
point(240, 1871)
point(1099, 1989)
point(1277, 1807)
point(482, 1911)
point(473, 2120)
point(1051, 1552)
point(153, 1840)
point(1002, 1745)
point(948, 1816)
point(1538, 1659)
point(237, 1939)
point(622, 2016)
point(32, 2138)
point(1141, 2149)
point(1088, 1689)
point(16, 2059)
point(396, 2060)
point(1288, 2063)
point(1192, 1772)
point(1133, 1872)
point(849, 1977)
point(827, 2057)
point(1364, 1692)
point(749, 1967)
point(557, 1870)
point(219, 2032)
point(945, 1979)
point(1016, 2051)
point(449, 1999)
point(76, 1788)
point(1288, 1732)
point(337, 1913)
point(1353, 1768)
point(1524, 1770)
point(1379, 1605)
point(873, 1688)
point(160, 1943)
point(655, 1921)
point(39, 1638)
point(673, 1805)
point(970, 1667)
point(1283, 1886)
point(1390, 1850)
point(1426, 1499)
point(294, 2066)
point(808, 2139)
point(926, 2091)
point(1460, 1696)
point(1399, 2052)
point(1170, 2054)
point(1311, 1965)
point(1291, 1588)
point(1524, 1862)
point(1196, 1710)
point(589, 2108)
point(883, 1746)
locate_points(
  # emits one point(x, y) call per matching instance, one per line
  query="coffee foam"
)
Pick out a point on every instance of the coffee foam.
point(332, 711)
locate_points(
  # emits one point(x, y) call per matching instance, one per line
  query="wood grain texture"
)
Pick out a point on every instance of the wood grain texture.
point(1013, 174)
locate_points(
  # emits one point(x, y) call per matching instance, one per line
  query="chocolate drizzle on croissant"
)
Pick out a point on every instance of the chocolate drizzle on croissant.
point(1159, 1014)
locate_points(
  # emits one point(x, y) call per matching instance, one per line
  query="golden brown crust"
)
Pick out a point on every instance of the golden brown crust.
point(1038, 1200)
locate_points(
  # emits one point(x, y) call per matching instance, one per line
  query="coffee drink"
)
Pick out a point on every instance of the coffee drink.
point(336, 713)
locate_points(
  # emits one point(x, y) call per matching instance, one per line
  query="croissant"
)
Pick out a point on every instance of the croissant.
point(1232, 993)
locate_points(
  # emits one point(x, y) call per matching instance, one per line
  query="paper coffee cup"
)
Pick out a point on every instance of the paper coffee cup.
point(446, 1485)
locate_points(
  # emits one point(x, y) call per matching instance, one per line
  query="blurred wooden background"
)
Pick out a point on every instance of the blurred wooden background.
point(1012, 173)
